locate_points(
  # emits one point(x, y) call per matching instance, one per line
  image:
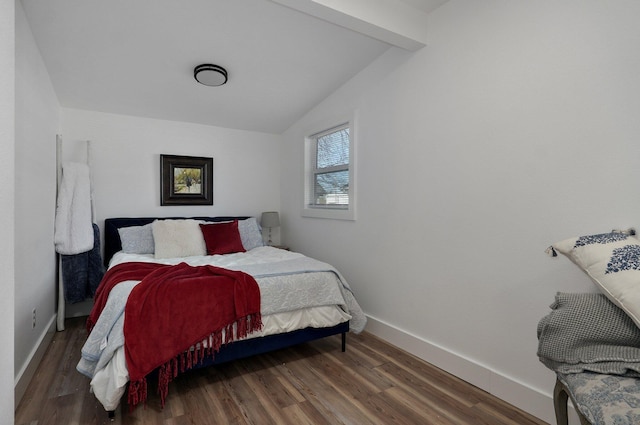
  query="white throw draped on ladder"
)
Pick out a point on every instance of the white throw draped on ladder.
point(73, 223)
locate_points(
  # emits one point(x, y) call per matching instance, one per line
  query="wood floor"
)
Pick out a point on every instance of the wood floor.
point(313, 383)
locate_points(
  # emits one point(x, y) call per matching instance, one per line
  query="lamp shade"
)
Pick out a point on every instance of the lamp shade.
point(270, 219)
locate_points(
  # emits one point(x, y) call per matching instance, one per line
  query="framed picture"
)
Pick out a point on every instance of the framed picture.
point(186, 180)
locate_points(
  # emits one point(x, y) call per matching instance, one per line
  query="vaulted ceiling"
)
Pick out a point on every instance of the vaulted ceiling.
point(136, 57)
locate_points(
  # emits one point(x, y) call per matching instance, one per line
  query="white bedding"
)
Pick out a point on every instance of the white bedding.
point(259, 255)
point(297, 306)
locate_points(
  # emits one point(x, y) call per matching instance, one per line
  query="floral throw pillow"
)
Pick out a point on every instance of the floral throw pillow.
point(612, 261)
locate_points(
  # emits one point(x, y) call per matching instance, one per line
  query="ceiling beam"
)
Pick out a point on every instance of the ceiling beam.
point(392, 21)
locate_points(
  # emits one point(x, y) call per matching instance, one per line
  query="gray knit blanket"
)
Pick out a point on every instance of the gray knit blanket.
point(587, 332)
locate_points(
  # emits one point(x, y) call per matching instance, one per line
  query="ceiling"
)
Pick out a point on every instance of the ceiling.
point(136, 57)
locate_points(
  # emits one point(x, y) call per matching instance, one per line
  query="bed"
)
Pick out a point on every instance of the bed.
point(300, 299)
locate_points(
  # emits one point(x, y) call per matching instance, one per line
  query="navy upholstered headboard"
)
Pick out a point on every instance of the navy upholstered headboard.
point(112, 243)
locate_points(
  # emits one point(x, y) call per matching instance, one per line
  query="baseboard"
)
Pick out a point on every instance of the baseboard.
point(513, 392)
point(35, 357)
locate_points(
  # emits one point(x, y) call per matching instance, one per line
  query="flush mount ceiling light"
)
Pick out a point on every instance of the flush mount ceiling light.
point(210, 75)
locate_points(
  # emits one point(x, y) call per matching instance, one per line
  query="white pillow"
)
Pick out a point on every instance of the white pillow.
point(250, 233)
point(137, 239)
point(178, 238)
point(612, 261)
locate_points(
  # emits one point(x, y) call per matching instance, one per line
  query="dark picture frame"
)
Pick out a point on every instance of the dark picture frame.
point(186, 180)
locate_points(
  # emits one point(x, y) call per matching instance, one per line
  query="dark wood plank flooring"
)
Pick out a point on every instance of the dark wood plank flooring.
point(313, 383)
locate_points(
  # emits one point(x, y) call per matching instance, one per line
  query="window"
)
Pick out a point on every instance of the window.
point(329, 191)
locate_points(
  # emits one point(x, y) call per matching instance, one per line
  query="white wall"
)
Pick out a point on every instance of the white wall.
point(37, 118)
point(7, 146)
point(126, 164)
point(514, 128)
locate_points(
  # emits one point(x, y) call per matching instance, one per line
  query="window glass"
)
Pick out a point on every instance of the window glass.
point(333, 149)
point(332, 188)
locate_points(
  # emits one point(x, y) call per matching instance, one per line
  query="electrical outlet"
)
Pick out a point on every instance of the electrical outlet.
point(33, 318)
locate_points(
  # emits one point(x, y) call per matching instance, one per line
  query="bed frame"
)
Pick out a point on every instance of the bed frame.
point(238, 349)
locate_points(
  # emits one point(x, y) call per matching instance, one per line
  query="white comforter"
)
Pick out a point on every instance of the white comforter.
point(296, 292)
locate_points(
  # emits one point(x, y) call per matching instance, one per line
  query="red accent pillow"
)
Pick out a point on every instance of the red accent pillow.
point(222, 238)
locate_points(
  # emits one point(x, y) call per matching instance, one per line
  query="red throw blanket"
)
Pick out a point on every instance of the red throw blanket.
point(178, 307)
point(115, 275)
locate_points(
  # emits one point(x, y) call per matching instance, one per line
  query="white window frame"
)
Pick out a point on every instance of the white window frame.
point(327, 211)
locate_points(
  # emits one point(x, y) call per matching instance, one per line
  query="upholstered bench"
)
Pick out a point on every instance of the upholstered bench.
point(599, 399)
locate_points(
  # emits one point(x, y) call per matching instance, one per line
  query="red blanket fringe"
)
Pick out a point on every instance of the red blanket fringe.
point(190, 359)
